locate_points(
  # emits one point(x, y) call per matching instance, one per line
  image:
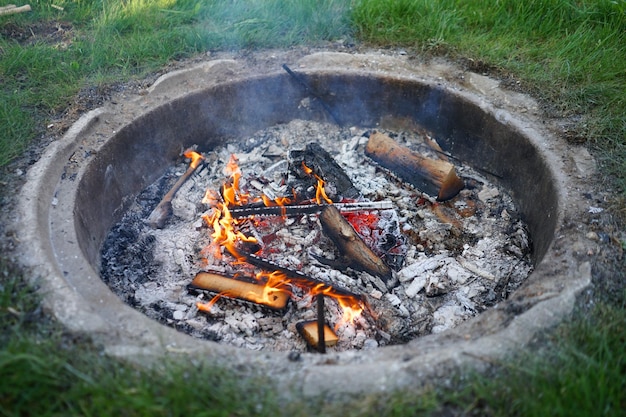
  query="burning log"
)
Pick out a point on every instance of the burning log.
point(301, 280)
point(274, 298)
point(309, 331)
point(433, 176)
point(357, 254)
point(322, 163)
point(163, 210)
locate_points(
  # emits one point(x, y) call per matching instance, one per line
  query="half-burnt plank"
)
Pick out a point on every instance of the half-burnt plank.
point(309, 331)
point(274, 298)
point(432, 176)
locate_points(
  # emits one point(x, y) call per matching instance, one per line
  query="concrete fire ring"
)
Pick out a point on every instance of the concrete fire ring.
point(84, 181)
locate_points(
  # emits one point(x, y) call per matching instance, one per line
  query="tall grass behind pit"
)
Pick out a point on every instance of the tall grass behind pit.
point(571, 53)
point(113, 41)
point(273, 23)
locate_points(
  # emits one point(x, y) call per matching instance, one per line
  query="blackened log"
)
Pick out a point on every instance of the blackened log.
point(432, 176)
point(356, 253)
point(302, 209)
point(323, 164)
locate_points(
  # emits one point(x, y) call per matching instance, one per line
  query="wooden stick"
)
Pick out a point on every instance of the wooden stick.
point(433, 176)
point(350, 244)
point(321, 344)
point(273, 298)
point(163, 210)
point(11, 9)
point(309, 90)
point(300, 209)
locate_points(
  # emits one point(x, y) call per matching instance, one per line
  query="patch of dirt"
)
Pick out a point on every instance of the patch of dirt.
point(58, 34)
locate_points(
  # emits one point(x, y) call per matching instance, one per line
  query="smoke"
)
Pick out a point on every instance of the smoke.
point(275, 23)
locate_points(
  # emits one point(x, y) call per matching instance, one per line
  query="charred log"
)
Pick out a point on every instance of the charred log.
point(355, 252)
point(301, 280)
point(323, 164)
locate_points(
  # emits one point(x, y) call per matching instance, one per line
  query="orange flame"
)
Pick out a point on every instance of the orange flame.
point(225, 235)
point(206, 307)
point(352, 309)
point(320, 192)
point(194, 156)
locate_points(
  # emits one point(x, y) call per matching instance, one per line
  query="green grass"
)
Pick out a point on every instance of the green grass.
point(113, 41)
point(569, 54)
point(579, 371)
point(48, 373)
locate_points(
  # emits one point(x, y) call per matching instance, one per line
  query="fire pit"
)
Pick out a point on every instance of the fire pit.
point(406, 233)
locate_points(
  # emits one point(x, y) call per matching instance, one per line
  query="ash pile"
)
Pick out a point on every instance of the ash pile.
point(309, 236)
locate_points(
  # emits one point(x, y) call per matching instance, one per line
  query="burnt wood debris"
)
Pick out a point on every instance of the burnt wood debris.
point(389, 259)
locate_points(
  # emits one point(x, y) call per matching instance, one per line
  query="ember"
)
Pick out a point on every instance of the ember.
point(392, 262)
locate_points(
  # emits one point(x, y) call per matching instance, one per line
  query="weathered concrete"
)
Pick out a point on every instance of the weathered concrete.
point(83, 183)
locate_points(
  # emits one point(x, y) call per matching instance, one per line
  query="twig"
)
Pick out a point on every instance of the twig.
point(311, 92)
point(321, 342)
point(12, 9)
point(163, 210)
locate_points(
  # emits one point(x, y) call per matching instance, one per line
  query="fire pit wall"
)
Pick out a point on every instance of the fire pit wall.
point(141, 151)
point(84, 183)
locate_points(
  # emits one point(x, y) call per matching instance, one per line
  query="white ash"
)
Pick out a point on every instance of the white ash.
point(452, 269)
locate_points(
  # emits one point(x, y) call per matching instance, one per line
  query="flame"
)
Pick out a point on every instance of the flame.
point(194, 156)
point(206, 307)
point(352, 307)
point(320, 192)
point(233, 196)
point(274, 281)
point(278, 201)
point(225, 235)
point(352, 310)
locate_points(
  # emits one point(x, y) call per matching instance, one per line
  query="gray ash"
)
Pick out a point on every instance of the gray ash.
point(457, 258)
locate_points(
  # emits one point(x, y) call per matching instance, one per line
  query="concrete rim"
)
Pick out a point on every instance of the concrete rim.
point(546, 297)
